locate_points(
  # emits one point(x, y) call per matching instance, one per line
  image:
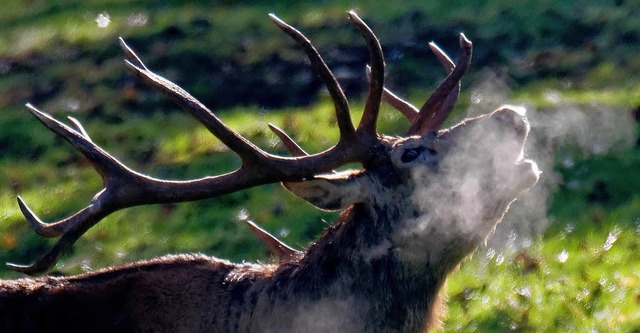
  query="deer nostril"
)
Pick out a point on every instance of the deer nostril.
point(513, 119)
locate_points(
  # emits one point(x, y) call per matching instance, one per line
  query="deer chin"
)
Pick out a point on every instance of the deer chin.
point(522, 175)
point(528, 175)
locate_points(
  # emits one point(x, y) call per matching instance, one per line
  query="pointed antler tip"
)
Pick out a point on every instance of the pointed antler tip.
point(131, 58)
point(134, 67)
point(41, 228)
point(435, 48)
point(367, 71)
point(37, 113)
point(278, 21)
point(31, 108)
point(35, 268)
point(122, 43)
point(129, 64)
point(16, 267)
point(31, 270)
point(20, 200)
point(464, 41)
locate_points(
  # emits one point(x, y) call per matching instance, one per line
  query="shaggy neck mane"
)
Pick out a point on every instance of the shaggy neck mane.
point(354, 257)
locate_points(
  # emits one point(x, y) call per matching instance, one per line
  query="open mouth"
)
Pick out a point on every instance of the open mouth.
point(527, 171)
point(527, 174)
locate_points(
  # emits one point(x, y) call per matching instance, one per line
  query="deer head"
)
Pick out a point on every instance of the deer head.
point(419, 205)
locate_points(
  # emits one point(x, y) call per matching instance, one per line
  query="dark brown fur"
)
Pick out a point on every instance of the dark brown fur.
point(196, 293)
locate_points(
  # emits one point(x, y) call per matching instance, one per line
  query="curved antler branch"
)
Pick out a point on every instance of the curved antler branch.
point(288, 142)
point(432, 114)
point(439, 115)
point(70, 229)
point(245, 149)
point(99, 159)
point(406, 108)
point(284, 252)
point(410, 111)
point(376, 83)
point(442, 57)
point(320, 67)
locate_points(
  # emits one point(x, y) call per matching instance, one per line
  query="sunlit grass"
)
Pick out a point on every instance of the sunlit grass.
point(605, 84)
point(575, 280)
point(549, 96)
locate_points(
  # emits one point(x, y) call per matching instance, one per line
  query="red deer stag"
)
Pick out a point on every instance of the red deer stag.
point(420, 205)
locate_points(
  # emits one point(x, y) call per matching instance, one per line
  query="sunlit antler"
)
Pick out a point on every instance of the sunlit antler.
point(284, 252)
point(435, 112)
point(436, 109)
point(124, 187)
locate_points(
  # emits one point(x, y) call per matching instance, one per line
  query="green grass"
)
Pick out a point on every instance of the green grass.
point(583, 277)
point(581, 274)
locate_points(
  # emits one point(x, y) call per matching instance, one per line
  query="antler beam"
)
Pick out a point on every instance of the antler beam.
point(124, 187)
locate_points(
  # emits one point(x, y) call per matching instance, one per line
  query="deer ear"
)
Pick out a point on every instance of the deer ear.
point(330, 192)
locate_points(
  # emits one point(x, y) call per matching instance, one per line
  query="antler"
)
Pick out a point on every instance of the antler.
point(284, 252)
point(437, 108)
point(124, 187)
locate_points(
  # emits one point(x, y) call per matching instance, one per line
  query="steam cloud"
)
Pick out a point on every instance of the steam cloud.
point(590, 129)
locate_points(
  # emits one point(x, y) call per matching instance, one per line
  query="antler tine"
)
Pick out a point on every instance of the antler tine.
point(406, 108)
point(442, 57)
point(376, 83)
point(284, 252)
point(439, 116)
point(75, 122)
point(432, 114)
point(340, 102)
point(62, 245)
point(100, 160)
point(288, 142)
point(243, 147)
point(41, 228)
point(70, 228)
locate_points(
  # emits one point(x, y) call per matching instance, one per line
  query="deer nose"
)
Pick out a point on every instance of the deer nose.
point(512, 118)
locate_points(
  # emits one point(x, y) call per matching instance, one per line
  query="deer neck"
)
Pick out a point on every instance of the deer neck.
point(358, 257)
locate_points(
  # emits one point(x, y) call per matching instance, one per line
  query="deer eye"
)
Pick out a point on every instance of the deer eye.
point(410, 154)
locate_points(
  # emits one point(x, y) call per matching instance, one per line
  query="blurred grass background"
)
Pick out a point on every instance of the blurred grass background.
point(581, 273)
